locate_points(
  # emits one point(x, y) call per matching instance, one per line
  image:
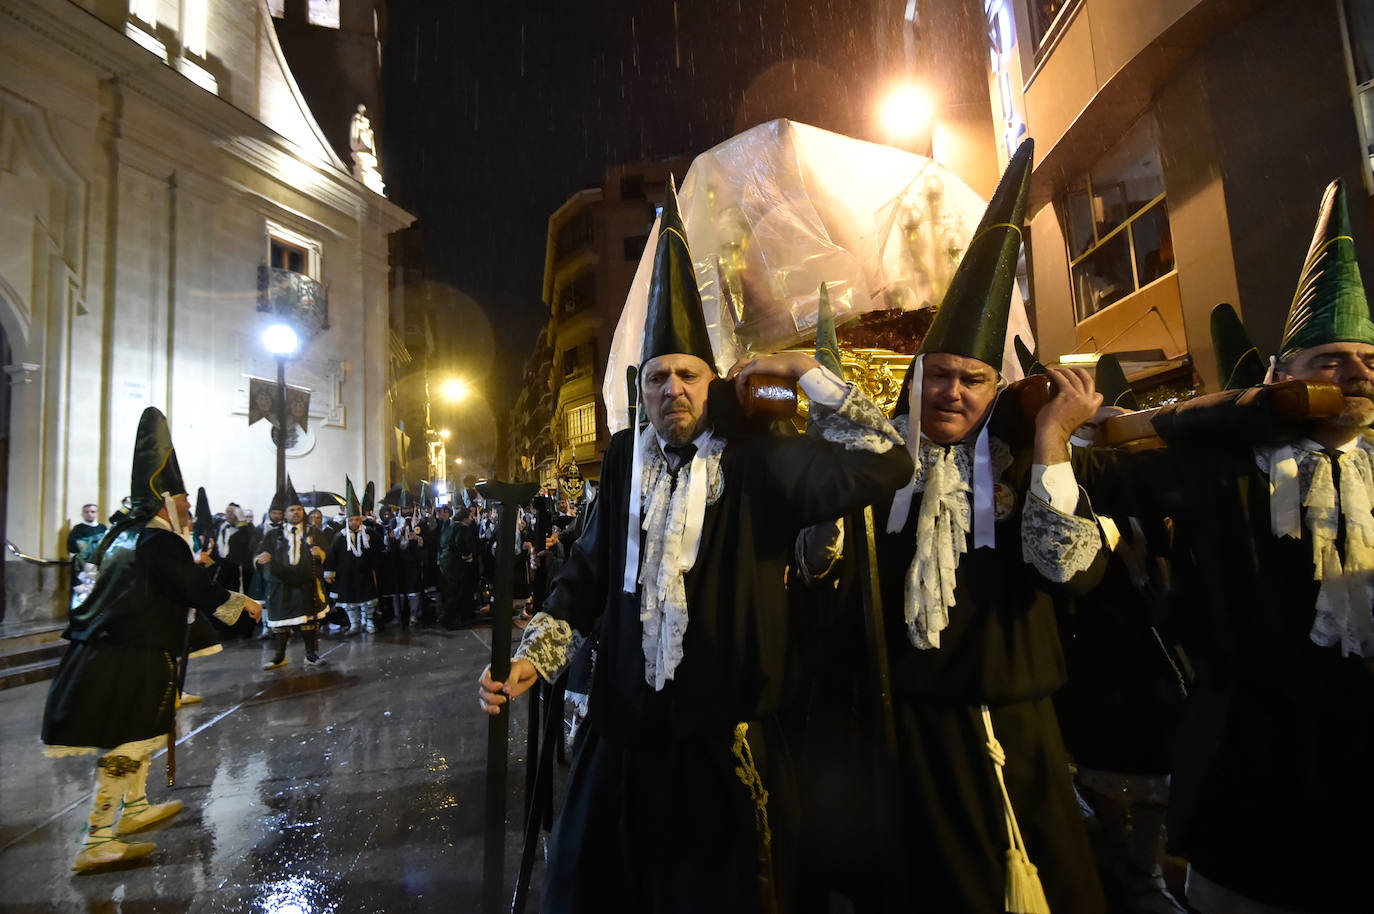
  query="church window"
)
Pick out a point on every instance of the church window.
point(288, 250)
point(323, 13)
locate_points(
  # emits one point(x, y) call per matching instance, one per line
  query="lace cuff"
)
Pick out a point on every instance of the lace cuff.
point(228, 612)
point(545, 644)
point(1057, 545)
point(857, 423)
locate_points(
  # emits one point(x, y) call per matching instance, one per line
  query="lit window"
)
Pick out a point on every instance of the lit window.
point(580, 422)
point(1116, 224)
point(324, 13)
point(1047, 18)
point(144, 11)
point(195, 25)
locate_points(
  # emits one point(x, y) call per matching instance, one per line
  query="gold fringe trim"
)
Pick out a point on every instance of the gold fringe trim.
point(749, 776)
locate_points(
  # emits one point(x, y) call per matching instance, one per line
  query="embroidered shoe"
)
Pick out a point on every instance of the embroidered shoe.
point(140, 814)
point(110, 850)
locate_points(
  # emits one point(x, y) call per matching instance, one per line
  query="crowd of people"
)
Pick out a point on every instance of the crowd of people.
point(972, 656)
point(836, 664)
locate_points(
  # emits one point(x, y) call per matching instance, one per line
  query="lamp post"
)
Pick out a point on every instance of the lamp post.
point(281, 340)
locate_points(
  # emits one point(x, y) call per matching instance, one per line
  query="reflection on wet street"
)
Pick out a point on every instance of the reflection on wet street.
point(356, 786)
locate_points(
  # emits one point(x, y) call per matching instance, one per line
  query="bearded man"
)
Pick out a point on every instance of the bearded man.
point(1273, 564)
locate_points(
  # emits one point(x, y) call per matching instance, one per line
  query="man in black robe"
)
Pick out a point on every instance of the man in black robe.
point(1273, 566)
point(115, 688)
point(297, 601)
point(348, 567)
point(679, 574)
point(974, 546)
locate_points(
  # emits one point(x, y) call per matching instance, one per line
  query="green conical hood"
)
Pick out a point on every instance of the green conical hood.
point(1113, 386)
point(1330, 304)
point(155, 468)
point(204, 526)
point(1238, 361)
point(351, 506)
point(369, 497)
point(405, 494)
point(1029, 363)
point(827, 344)
point(673, 319)
point(972, 320)
point(292, 499)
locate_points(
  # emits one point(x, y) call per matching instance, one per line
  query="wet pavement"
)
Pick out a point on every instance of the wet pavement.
point(356, 786)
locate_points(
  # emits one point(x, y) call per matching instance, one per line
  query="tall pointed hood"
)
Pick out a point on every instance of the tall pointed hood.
point(155, 468)
point(278, 501)
point(1330, 304)
point(827, 344)
point(404, 500)
point(972, 320)
point(1030, 363)
point(1113, 386)
point(673, 320)
point(1238, 361)
point(351, 506)
point(205, 518)
point(369, 497)
point(292, 499)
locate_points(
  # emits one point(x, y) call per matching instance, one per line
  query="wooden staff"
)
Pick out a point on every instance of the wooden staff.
point(506, 496)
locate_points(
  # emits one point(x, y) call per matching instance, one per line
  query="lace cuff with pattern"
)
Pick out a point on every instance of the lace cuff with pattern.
point(857, 423)
point(228, 612)
point(546, 644)
point(1057, 545)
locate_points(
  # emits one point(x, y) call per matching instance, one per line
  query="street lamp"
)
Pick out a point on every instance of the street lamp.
point(454, 389)
point(281, 340)
point(907, 112)
point(443, 433)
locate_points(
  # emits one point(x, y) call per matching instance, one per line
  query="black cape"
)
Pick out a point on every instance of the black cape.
point(655, 816)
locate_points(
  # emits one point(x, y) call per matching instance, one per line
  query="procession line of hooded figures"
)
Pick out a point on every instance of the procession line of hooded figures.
point(836, 663)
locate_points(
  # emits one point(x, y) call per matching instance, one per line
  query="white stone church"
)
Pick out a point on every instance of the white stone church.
point(161, 177)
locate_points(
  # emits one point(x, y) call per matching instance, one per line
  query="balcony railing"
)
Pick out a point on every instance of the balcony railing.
point(295, 297)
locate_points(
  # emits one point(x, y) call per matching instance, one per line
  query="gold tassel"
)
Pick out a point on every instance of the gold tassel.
point(749, 776)
point(1024, 894)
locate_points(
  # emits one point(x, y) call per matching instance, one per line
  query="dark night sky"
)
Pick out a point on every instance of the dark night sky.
point(498, 111)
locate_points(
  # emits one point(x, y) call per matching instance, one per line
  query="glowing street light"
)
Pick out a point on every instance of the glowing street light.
point(907, 112)
point(454, 389)
point(443, 433)
point(280, 340)
point(458, 461)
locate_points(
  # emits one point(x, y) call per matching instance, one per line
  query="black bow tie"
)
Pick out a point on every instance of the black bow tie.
point(682, 454)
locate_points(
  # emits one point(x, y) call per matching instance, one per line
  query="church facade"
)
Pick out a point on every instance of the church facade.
point(165, 194)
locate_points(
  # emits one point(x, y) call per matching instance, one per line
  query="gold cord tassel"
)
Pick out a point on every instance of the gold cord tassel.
point(750, 778)
point(1024, 893)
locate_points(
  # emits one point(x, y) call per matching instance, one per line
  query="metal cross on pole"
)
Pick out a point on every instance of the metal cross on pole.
point(506, 497)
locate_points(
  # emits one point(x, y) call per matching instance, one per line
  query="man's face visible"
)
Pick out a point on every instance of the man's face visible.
point(247, 517)
point(355, 523)
point(295, 514)
point(956, 392)
point(274, 515)
point(1349, 365)
point(88, 514)
point(674, 389)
